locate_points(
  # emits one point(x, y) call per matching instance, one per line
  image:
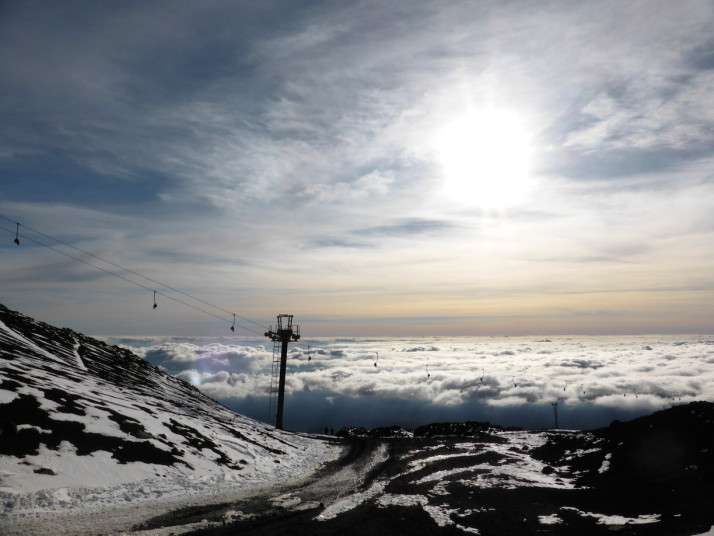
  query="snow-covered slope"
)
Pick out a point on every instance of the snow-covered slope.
point(84, 424)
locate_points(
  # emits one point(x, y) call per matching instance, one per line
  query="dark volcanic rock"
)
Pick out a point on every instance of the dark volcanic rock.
point(460, 429)
point(352, 431)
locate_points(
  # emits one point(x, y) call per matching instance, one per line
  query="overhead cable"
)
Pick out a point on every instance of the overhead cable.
point(232, 322)
point(134, 272)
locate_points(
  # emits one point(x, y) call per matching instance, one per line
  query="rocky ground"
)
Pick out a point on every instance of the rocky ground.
point(650, 476)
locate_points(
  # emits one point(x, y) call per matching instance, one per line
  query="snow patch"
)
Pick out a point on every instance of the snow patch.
point(552, 519)
point(348, 503)
point(605, 464)
point(603, 519)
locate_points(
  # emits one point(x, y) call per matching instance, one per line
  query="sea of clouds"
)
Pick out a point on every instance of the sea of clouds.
point(512, 381)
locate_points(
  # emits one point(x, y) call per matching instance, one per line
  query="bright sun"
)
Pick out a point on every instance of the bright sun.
point(485, 158)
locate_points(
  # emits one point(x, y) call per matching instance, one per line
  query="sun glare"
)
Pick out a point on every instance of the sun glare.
point(485, 158)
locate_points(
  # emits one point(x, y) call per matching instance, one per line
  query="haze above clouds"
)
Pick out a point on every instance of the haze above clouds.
point(402, 168)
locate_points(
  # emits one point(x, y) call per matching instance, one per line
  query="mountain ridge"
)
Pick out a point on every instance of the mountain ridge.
point(78, 414)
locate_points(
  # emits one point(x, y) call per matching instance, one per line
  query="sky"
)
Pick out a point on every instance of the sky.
point(373, 168)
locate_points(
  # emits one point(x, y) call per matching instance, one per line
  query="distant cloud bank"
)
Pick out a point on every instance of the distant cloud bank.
point(607, 376)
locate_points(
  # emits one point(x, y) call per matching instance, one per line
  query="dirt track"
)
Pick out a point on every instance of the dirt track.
point(300, 508)
point(288, 505)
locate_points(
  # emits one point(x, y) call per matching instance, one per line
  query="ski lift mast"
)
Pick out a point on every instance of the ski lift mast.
point(284, 334)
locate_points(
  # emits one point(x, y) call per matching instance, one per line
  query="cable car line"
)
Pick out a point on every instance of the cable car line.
point(17, 241)
point(131, 281)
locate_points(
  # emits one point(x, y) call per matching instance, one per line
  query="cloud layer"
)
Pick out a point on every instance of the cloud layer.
point(593, 380)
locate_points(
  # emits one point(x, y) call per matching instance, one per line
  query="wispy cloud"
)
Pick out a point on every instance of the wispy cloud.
point(284, 156)
point(407, 228)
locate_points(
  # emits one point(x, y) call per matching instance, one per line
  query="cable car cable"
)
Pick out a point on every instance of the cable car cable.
point(128, 270)
point(131, 281)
